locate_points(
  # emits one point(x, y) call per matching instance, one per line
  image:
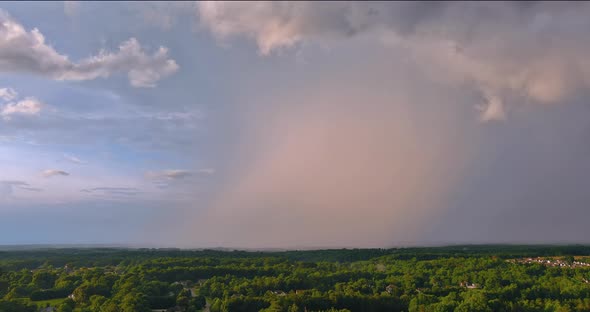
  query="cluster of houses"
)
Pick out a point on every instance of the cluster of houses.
point(551, 262)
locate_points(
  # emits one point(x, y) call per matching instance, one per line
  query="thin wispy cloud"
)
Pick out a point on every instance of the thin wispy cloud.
point(174, 174)
point(14, 183)
point(54, 172)
point(32, 189)
point(176, 178)
point(127, 191)
point(7, 187)
point(177, 174)
point(74, 159)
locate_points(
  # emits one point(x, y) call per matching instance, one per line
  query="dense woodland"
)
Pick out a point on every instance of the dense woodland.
point(458, 278)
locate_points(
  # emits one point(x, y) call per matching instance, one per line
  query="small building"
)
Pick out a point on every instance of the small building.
point(279, 293)
point(469, 285)
point(390, 288)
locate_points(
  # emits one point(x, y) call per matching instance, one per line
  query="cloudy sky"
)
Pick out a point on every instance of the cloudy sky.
point(336, 124)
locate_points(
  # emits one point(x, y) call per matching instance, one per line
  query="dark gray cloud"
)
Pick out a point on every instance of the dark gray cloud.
point(537, 51)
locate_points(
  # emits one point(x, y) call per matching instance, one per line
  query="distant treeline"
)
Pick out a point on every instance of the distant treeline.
point(90, 257)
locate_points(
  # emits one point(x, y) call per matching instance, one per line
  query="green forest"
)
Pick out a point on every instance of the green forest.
point(456, 278)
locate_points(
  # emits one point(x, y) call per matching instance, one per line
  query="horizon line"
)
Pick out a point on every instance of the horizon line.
point(31, 246)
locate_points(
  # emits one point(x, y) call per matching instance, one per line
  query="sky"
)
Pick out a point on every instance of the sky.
point(294, 124)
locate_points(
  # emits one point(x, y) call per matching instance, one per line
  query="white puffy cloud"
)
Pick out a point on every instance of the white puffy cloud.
point(271, 24)
point(143, 70)
point(27, 51)
point(54, 172)
point(27, 106)
point(8, 94)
